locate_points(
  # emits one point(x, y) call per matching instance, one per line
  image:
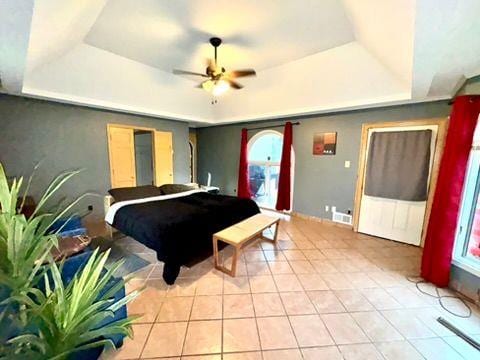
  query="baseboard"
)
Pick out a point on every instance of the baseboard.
point(321, 220)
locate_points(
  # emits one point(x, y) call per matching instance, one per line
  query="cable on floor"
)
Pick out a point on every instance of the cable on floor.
point(418, 281)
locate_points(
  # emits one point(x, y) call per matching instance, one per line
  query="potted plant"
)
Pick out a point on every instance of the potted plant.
point(49, 310)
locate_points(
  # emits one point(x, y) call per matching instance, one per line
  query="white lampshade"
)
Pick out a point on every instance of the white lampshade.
point(220, 87)
point(208, 85)
point(216, 87)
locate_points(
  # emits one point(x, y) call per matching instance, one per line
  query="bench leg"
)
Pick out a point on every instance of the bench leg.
point(215, 251)
point(221, 267)
point(233, 270)
point(275, 235)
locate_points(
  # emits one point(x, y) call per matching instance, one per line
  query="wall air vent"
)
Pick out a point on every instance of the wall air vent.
point(342, 218)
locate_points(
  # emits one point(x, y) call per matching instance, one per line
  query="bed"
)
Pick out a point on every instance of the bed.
point(179, 227)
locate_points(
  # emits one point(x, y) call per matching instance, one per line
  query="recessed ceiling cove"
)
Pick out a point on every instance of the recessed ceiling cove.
point(310, 56)
point(260, 34)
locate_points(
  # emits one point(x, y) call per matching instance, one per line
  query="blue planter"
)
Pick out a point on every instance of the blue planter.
point(71, 267)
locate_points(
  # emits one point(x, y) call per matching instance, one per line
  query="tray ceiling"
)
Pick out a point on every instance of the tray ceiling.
point(260, 34)
point(310, 56)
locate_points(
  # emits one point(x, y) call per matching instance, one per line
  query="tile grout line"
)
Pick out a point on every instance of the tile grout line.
point(188, 323)
point(150, 331)
point(316, 311)
point(223, 316)
point(153, 324)
point(380, 270)
point(287, 316)
point(315, 308)
point(255, 317)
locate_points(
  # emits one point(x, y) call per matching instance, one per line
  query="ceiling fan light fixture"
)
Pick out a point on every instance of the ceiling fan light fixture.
point(220, 87)
point(208, 85)
point(219, 81)
point(215, 87)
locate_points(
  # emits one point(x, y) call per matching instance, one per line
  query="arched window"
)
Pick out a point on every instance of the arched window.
point(264, 154)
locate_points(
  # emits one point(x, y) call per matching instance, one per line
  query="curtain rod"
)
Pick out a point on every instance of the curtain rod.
point(271, 126)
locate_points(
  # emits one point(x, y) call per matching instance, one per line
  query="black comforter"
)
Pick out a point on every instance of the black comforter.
point(180, 230)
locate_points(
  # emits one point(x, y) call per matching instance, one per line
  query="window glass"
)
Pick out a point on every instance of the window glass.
point(473, 245)
point(267, 147)
point(467, 247)
point(470, 222)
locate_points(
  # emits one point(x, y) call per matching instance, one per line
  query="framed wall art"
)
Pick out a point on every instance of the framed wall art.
point(325, 143)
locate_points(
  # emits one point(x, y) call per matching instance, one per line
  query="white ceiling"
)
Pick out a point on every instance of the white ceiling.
point(170, 34)
point(311, 56)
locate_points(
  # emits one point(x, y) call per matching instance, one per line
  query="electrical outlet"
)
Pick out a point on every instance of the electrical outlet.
point(327, 208)
point(347, 164)
point(334, 209)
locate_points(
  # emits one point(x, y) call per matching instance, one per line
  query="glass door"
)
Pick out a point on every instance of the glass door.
point(265, 151)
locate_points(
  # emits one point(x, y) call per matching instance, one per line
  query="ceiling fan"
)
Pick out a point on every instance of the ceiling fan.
point(217, 79)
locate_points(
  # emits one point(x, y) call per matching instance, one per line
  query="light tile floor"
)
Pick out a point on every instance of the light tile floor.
point(324, 292)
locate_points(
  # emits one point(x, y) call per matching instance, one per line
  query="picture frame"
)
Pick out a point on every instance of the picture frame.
point(325, 143)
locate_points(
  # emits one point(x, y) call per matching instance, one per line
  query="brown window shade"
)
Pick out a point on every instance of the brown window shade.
point(398, 165)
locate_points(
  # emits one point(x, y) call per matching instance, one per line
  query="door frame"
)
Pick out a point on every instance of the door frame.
point(442, 124)
point(133, 127)
point(192, 139)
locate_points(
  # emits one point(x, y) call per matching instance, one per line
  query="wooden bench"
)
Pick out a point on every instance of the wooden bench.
point(242, 235)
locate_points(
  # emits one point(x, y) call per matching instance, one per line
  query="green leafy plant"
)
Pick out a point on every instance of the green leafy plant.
point(25, 244)
point(73, 318)
point(51, 320)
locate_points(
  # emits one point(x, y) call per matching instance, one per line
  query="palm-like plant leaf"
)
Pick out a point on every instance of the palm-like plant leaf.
point(25, 244)
point(67, 318)
point(78, 313)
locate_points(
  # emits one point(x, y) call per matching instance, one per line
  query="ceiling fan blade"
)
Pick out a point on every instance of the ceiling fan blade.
point(185, 72)
point(234, 84)
point(241, 73)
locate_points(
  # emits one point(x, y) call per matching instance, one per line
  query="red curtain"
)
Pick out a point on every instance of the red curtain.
point(284, 181)
point(437, 253)
point(243, 187)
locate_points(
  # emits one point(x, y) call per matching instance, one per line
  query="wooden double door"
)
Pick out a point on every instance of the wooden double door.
point(121, 148)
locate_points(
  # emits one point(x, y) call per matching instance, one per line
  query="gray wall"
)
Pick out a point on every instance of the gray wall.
point(72, 137)
point(319, 180)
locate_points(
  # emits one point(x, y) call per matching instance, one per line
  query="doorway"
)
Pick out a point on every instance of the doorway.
point(139, 156)
point(192, 146)
point(264, 155)
point(388, 204)
point(143, 141)
point(192, 161)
